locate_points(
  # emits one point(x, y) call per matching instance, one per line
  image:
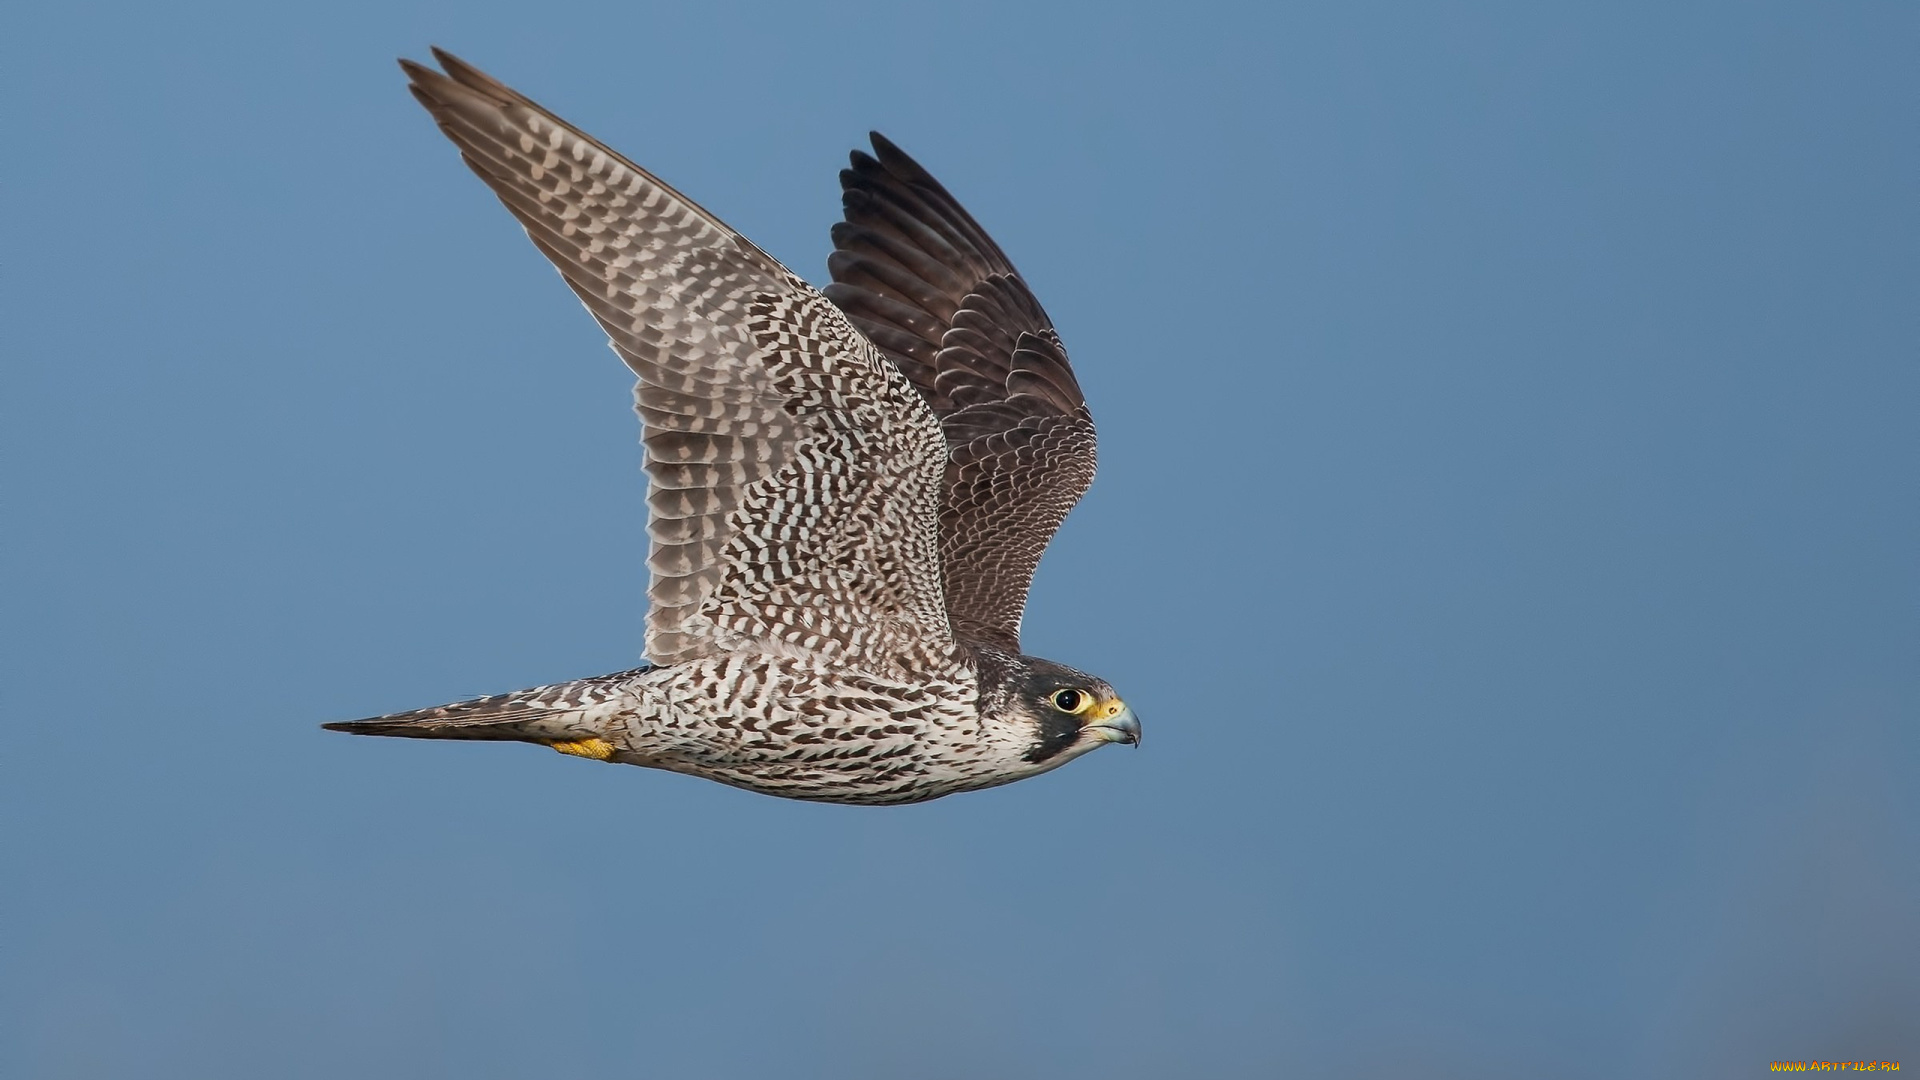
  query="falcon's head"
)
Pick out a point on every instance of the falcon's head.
point(1071, 711)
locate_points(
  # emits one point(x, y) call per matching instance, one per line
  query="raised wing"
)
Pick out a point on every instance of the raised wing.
point(922, 280)
point(793, 472)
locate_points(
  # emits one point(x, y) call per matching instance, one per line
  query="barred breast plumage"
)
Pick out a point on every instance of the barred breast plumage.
point(848, 492)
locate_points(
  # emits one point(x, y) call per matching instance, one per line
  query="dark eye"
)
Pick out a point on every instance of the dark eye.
point(1069, 701)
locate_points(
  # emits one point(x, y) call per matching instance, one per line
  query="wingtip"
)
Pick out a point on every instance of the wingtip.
point(889, 152)
point(883, 149)
point(452, 69)
point(420, 75)
point(899, 163)
point(453, 65)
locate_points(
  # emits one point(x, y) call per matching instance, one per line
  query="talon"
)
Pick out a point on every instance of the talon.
point(597, 749)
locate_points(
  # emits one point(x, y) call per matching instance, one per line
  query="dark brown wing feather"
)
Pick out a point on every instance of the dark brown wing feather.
point(925, 283)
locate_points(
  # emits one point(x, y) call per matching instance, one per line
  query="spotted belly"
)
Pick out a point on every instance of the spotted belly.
point(783, 727)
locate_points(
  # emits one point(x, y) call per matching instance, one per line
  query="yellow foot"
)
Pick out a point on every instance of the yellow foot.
point(597, 749)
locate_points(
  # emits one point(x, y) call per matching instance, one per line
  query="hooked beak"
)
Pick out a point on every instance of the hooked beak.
point(1112, 721)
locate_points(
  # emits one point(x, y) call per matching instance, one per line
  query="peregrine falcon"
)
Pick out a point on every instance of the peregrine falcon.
point(848, 491)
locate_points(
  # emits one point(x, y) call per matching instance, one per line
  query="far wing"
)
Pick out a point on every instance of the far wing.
point(924, 281)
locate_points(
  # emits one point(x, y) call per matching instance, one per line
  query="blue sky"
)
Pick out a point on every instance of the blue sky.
point(1506, 530)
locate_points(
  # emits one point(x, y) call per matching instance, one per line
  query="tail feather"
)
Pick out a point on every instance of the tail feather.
point(562, 712)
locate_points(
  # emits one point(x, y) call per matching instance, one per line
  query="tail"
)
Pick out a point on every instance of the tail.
point(570, 714)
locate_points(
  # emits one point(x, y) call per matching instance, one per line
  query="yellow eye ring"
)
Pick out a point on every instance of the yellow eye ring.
point(1072, 701)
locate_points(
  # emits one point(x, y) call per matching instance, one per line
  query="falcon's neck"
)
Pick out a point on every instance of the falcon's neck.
point(998, 670)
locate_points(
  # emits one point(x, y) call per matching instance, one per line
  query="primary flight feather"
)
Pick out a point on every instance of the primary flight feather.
point(848, 492)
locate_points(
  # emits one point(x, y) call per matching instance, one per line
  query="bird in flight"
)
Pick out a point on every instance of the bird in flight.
point(848, 491)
